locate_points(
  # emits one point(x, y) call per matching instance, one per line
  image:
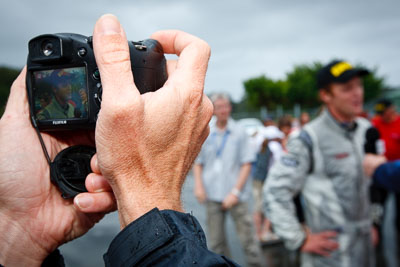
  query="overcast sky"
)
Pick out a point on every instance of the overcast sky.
point(247, 38)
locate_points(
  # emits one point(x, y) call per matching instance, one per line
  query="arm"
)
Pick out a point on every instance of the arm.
point(199, 190)
point(246, 156)
point(233, 197)
point(285, 180)
point(171, 233)
point(387, 175)
point(243, 176)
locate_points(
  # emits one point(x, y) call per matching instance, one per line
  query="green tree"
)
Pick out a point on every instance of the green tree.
point(7, 76)
point(265, 92)
point(302, 86)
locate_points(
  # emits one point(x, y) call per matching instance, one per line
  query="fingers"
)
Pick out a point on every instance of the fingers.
point(326, 244)
point(327, 247)
point(99, 198)
point(94, 165)
point(328, 234)
point(193, 54)
point(17, 101)
point(113, 60)
point(330, 245)
point(97, 183)
point(103, 202)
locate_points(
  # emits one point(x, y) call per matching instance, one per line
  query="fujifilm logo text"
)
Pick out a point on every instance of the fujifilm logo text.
point(59, 122)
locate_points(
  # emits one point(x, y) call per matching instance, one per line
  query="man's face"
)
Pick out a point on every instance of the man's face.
point(345, 99)
point(64, 92)
point(304, 118)
point(390, 114)
point(222, 109)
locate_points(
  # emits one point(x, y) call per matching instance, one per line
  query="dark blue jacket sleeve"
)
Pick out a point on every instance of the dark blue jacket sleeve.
point(387, 175)
point(163, 238)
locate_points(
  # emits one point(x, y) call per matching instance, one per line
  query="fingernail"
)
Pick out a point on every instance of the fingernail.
point(96, 185)
point(109, 25)
point(84, 201)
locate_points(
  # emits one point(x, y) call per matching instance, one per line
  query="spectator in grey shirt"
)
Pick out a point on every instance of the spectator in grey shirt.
point(221, 181)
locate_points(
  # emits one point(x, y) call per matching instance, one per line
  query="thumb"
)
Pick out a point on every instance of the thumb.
point(113, 60)
point(17, 104)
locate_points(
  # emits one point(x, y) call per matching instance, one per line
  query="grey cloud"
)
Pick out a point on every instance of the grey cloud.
point(248, 38)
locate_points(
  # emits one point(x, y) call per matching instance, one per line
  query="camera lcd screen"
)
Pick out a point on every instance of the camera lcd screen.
point(60, 94)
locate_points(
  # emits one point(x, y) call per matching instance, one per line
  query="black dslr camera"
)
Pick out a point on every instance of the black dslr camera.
point(64, 93)
point(63, 82)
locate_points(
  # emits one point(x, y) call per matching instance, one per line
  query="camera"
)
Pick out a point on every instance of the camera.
point(63, 81)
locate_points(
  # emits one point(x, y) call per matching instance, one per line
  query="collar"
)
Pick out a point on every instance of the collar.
point(229, 126)
point(345, 127)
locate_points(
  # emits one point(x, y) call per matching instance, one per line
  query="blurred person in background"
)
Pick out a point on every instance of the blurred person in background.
point(270, 152)
point(285, 126)
point(298, 124)
point(304, 119)
point(268, 121)
point(323, 162)
point(221, 174)
point(387, 122)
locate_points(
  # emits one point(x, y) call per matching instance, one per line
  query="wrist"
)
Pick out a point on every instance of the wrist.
point(135, 200)
point(236, 192)
point(303, 241)
point(17, 246)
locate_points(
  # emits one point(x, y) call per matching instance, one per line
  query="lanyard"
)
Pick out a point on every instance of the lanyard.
point(222, 146)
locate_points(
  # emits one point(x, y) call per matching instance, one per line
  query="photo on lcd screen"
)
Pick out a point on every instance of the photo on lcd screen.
point(60, 94)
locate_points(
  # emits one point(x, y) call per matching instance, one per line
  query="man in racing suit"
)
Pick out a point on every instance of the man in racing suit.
point(324, 163)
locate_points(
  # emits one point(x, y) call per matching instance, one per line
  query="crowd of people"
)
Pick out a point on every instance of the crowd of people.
point(317, 184)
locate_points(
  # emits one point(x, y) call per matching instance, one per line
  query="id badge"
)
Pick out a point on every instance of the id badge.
point(218, 165)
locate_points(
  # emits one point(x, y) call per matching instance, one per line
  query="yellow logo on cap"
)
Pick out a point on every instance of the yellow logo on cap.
point(339, 68)
point(379, 107)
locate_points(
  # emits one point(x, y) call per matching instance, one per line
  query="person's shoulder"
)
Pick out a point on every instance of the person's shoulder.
point(315, 122)
point(234, 126)
point(363, 123)
point(376, 120)
point(43, 114)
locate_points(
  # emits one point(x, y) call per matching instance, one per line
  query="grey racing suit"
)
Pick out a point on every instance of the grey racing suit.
point(335, 193)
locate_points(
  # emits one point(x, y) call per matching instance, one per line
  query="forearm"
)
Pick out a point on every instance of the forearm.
point(387, 175)
point(280, 209)
point(243, 176)
point(198, 173)
point(285, 180)
point(17, 246)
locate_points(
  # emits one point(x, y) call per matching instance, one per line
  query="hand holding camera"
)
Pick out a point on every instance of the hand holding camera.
point(147, 143)
point(35, 220)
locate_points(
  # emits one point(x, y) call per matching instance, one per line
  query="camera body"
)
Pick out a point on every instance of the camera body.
point(63, 81)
